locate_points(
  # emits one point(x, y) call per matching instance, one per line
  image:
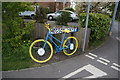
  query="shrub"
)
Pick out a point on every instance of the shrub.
point(14, 51)
point(63, 18)
point(12, 32)
point(41, 13)
point(70, 9)
point(16, 59)
point(98, 23)
point(47, 10)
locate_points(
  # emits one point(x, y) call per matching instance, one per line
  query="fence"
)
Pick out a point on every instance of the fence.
point(40, 31)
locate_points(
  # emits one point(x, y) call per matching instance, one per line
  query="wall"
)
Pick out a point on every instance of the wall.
point(40, 31)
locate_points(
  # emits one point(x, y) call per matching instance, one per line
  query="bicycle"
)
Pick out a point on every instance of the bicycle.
point(41, 50)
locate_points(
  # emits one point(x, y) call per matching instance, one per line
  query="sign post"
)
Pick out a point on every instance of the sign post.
point(114, 15)
point(86, 26)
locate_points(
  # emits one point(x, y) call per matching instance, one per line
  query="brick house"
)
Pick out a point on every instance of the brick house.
point(54, 6)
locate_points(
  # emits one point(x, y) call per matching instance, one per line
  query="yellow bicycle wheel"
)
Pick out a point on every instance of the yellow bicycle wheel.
point(40, 53)
point(70, 46)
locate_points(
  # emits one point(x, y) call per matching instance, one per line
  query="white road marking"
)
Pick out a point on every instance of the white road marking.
point(93, 54)
point(95, 71)
point(115, 68)
point(59, 71)
point(89, 56)
point(118, 38)
point(102, 62)
point(104, 59)
point(116, 64)
point(90, 68)
point(73, 73)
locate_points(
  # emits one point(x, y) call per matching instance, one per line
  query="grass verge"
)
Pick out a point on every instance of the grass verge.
point(95, 44)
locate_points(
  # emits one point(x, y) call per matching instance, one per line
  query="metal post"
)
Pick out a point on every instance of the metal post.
point(86, 26)
point(64, 2)
point(114, 15)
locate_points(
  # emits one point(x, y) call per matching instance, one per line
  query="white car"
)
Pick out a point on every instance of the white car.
point(54, 15)
point(30, 14)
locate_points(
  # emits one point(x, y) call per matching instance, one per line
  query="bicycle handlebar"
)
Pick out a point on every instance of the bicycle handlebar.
point(47, 25)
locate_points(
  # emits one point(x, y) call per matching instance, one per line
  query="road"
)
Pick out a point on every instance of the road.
point(101, 62)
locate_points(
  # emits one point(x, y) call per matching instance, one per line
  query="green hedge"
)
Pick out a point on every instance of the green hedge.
point(41, 14)
point(63, 19)
point(70, 9)
point(98, 23)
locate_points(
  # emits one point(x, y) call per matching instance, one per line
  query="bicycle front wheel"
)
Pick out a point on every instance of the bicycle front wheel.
point(70, 46)
point(41, 51)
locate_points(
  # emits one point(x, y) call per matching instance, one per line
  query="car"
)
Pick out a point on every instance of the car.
point(53, 16)
point(30, 14)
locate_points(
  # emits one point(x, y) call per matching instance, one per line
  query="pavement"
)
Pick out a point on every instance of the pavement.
point(102, 62)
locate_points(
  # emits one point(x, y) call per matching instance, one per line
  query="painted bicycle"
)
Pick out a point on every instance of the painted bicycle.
point(41, 50)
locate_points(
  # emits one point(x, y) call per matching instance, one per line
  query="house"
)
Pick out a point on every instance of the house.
point(54, 6)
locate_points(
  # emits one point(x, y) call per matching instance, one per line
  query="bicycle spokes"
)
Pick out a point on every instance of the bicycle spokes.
point(72, 44)
point(39, 53)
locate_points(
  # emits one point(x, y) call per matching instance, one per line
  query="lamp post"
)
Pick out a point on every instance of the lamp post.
point(86, 26)
point(113, 18)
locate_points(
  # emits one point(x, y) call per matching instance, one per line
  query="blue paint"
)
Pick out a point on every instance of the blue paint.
point(50, 37)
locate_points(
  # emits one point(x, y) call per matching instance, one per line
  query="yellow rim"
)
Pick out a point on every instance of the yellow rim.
point(36, 59)
point(75, 46)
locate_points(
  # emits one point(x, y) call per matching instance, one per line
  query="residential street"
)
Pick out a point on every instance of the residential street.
point(98, 63)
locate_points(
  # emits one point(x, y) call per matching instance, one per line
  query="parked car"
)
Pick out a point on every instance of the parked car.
point(30, 14)
point(52, 16)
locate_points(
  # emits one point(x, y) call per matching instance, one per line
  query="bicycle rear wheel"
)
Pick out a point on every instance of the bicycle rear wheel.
point(39, 53)
point(70, 46)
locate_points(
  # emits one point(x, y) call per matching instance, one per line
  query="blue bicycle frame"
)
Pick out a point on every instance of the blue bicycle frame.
point(50, 37)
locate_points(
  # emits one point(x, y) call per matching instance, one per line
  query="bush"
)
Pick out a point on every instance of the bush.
point(98, 23)
point(14, 59)
point(14, 51)
point(18, 34)
point(41, 13)
point(12, 32)
point(47, 10)
point(70, 9)
point(63, 18)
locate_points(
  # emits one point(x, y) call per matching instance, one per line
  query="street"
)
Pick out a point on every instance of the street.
point(102, 62)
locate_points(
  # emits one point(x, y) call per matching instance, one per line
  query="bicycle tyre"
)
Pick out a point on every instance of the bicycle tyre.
point(76, 46)
point(31, 53)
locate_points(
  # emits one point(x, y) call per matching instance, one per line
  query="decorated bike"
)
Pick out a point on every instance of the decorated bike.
point(41, 50)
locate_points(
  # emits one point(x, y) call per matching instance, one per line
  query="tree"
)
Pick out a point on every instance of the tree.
point(12, 32)
point(41, 14)
point(96, 7)
point(64, 18)
point(15, 38)
point(70, 9)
